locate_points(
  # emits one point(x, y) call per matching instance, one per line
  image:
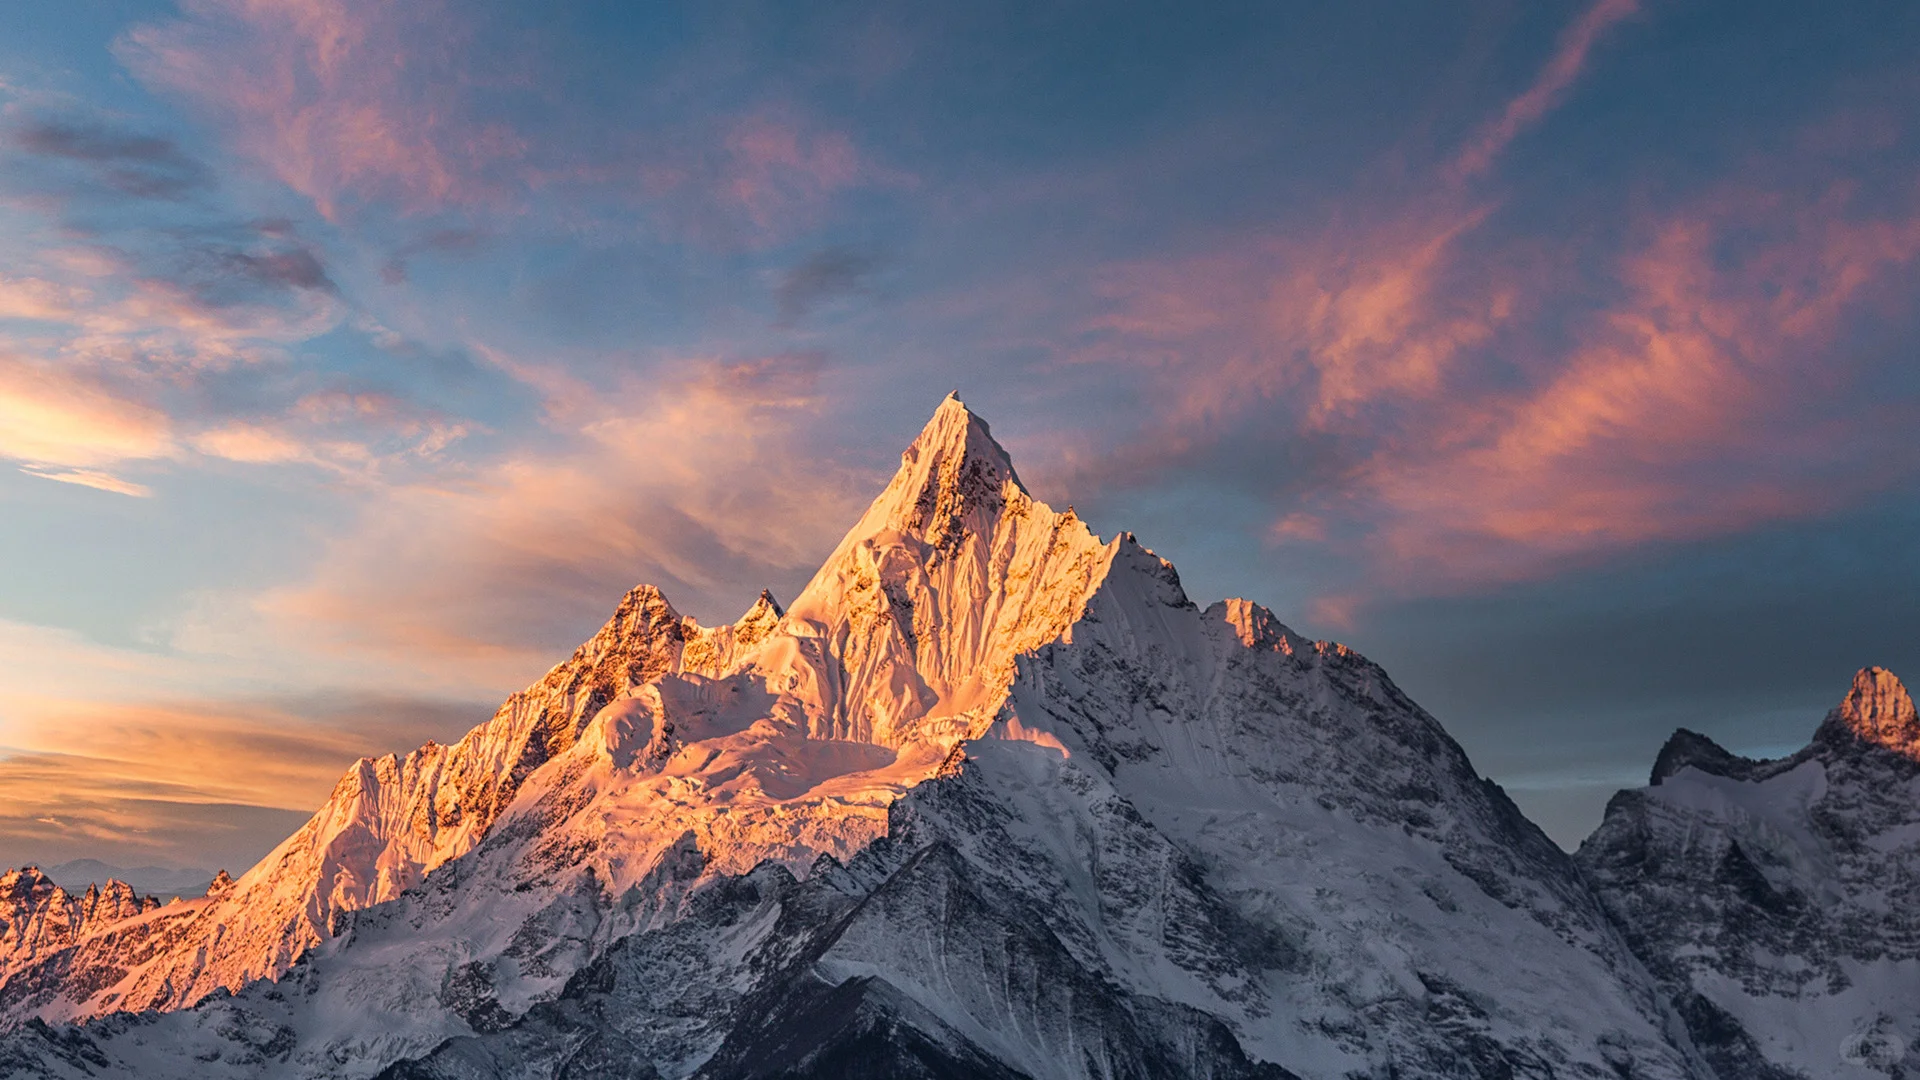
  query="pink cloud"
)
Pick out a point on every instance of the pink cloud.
point(1497, 428)
point(1334, 322)
point(1547, 91)
point(339, 99)
point(777, 170)
point(355, 102)
point(1689, 408)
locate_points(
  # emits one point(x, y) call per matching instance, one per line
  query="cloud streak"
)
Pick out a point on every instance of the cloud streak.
point(1547, 90)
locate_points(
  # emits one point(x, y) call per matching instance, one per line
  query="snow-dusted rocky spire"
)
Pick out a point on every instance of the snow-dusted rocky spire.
point(954, 481)
point(919, 611)
point(1878, 711)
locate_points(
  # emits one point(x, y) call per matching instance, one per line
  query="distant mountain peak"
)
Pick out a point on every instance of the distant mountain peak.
point(1877, 711)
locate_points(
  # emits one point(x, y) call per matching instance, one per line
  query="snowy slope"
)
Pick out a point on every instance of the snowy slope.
point(1775, 899)
point(992, 798)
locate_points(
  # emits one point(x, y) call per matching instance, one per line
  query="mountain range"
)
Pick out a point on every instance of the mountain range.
point(993, 798)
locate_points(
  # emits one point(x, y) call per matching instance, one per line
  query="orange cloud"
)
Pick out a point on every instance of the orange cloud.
point(64, 427)
point(177, 756)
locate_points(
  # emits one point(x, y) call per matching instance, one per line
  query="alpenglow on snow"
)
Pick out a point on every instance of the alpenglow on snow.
point(994, 799)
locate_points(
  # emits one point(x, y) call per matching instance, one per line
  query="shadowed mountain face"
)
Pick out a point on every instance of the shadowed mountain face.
point(1773, 899)
point(992, 799)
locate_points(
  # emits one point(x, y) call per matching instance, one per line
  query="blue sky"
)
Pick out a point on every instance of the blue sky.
point(355, 357)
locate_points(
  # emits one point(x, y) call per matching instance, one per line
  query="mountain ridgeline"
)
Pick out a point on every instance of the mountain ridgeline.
point(994, 799)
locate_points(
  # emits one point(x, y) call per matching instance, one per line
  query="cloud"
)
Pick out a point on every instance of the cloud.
point(155, 343)
point(191, 782)
point(343, 101)
point(698, 480)
point(819, 278)
point(431, 108)
point(1337, 320)
point(1492, 419)
point(59, 808)
point(92, 478)
point(67, 428)
point(1719, 392)
point(1547, 91)
point(142, 166)
point(777, 169)
point(439, 241)
point(184, 758)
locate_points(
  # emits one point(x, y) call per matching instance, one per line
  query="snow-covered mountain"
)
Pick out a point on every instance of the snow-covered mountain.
point(1775, 900)
point(992, 799)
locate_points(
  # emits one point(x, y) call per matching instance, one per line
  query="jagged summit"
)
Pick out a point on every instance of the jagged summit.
point(1877, 711)
point(954, 480)
point(909, 630)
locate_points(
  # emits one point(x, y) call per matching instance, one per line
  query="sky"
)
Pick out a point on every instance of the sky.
point(356, 357)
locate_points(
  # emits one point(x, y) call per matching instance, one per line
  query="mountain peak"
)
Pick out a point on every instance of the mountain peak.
point(1879, 711)
point(954, 477)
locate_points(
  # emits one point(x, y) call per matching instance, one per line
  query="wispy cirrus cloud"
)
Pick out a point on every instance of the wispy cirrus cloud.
point(429, 109)
point(1494, 424)
point(1718, 393)
point(341, 100)
point(1546, 91)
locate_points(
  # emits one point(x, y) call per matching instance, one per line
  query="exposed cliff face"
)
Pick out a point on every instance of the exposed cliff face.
point(1773, 899)
point(992, 799)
